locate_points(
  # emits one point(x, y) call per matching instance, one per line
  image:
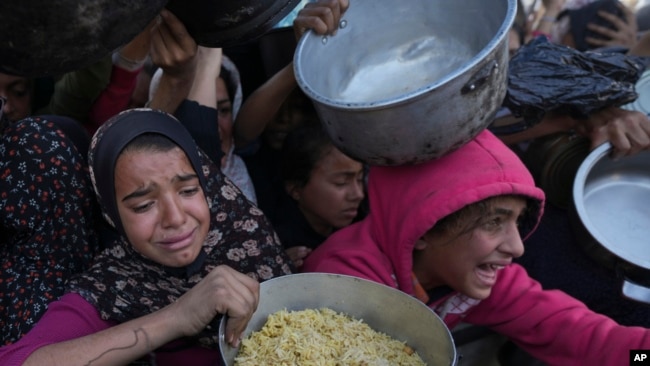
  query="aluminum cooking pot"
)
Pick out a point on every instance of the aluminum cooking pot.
point(43, 37)
point(404, 82)
point(611, 213)
point(383, 308)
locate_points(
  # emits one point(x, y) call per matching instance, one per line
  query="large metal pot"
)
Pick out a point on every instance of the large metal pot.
point(43, 37)
point(406, 81)
point(383, 308)
point(611, 213)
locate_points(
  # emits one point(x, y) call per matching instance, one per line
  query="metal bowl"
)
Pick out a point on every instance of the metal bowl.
point(612, 206)
point(383, 308)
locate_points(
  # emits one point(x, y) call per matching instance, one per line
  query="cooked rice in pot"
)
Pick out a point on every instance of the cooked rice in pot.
point(321, 337)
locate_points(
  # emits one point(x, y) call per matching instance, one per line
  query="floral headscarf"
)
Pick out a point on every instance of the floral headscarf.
point(47, 221)
point(123, 284)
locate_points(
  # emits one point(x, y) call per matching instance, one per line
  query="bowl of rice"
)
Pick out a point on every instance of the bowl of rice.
point(329, 319)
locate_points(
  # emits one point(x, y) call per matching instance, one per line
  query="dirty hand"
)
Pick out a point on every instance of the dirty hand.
point(223, 291)
point(624, 34)
point(627, 131)
point(298, 254)
point(137, 50)
point(172, 47)
point(322, 16)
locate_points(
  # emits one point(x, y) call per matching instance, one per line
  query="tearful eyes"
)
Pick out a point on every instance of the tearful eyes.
point(144, 207)
point(190, 191)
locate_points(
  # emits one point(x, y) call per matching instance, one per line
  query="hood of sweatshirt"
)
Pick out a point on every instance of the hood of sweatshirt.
point(406, 201)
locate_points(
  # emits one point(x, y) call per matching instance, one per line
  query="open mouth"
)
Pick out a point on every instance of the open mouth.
point(487, 273)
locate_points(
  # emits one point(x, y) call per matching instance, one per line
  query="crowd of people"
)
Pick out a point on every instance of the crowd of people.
point(145, 196)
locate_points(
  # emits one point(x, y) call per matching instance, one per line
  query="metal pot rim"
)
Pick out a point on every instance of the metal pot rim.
point(321, 286)
point(581, 177)
point(478, 59)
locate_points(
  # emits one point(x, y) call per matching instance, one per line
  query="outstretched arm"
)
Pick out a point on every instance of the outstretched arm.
point(174, 51)
point(263, 104)
point(627, 131)
point(224, 291)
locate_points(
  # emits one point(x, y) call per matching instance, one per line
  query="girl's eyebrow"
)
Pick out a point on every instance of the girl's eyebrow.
point(185, 177)
point(138, 193)
point(504, 211)
point(147, 189)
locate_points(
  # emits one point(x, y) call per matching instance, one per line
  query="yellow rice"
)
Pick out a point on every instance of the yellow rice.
point(321, 338)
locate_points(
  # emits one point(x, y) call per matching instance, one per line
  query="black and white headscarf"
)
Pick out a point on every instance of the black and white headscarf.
point(123, 284)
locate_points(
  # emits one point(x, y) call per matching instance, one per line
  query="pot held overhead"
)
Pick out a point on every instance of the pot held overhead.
point(403, 82)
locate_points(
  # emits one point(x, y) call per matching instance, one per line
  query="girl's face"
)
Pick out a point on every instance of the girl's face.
point(333, 194)
point(17, 91)
point(469, 261)
point(290, 116)
point(161, 205)
point(224, 113)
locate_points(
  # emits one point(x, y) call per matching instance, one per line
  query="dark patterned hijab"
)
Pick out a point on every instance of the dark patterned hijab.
point(123, 284)
point(48, 214)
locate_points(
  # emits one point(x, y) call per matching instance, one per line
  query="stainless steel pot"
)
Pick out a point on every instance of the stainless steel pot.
point(611, 216)
point(383, 308)
point(404, 82)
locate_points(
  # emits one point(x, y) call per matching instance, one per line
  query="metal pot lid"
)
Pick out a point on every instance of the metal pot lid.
point(612, 199)
point(642, 103)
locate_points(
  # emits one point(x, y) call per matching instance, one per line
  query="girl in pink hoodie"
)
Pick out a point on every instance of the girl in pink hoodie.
point(447, 230)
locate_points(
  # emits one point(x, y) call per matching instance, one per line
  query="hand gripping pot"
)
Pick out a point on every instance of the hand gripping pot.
point(383, 308)
point(402, 82)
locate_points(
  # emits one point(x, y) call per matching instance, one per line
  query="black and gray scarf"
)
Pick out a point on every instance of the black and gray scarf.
point(122, 284)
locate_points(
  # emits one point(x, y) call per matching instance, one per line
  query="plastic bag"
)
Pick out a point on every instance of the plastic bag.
point(544, 77)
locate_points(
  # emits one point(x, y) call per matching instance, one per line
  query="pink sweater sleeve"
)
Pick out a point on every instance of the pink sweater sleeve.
point(68, 318)
point(553, 326)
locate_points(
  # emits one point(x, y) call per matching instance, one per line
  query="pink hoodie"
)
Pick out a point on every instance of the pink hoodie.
point(406, 201)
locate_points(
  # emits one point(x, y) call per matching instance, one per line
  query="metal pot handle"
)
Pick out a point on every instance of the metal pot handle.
point(480, 78)
point(636, 292)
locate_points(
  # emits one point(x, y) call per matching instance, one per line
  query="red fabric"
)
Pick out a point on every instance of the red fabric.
point(114, 99)
point(538, 33)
